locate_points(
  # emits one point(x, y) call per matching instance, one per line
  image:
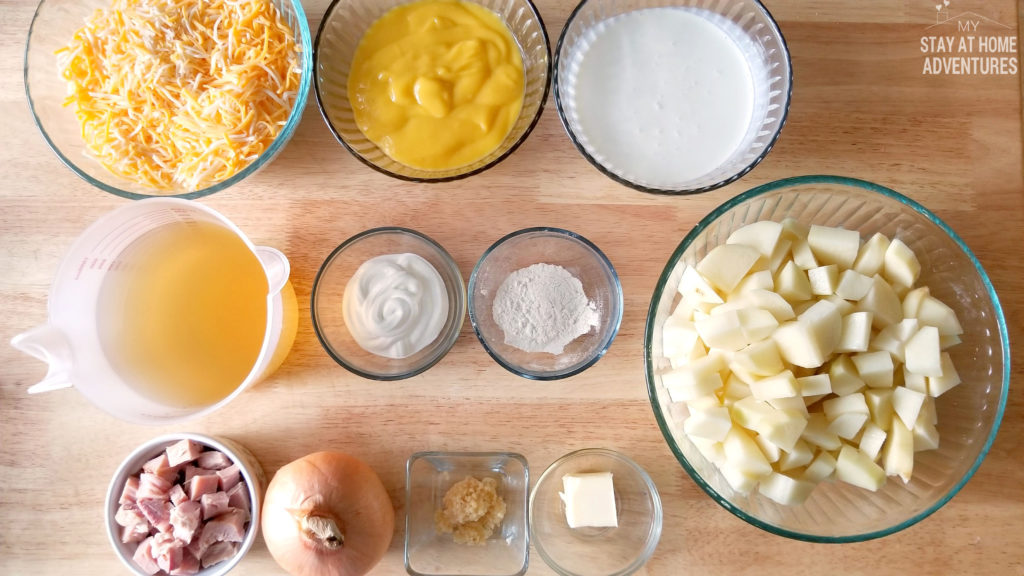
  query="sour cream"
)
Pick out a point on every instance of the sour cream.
point(395, 305)
point(661, 96)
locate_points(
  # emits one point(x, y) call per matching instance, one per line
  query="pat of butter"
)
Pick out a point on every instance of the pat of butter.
point(589, 500)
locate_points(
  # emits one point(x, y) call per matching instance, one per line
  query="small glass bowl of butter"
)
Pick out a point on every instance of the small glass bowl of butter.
point(432, 549)
point(595, 512)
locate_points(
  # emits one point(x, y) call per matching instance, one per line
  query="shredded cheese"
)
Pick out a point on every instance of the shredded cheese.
point(181, 94)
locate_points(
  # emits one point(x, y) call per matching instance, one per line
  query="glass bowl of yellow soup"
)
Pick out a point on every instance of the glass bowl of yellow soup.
point(675, 97)
point(171, 123)
point(431, 90)
point(388, 303)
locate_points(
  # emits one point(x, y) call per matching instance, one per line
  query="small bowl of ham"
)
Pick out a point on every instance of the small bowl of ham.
point(185, 504)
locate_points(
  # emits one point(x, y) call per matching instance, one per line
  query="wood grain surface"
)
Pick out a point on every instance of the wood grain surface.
point(861, 107)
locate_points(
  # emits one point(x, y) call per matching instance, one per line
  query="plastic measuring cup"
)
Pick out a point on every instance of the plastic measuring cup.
point(70, 342)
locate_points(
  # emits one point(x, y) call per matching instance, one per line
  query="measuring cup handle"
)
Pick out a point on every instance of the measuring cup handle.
point(48, 344)
point(276, 265)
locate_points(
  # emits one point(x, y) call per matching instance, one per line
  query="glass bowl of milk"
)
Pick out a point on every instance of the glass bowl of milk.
point(672, 97)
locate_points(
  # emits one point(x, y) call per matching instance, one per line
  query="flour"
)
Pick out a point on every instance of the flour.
point(542, 308)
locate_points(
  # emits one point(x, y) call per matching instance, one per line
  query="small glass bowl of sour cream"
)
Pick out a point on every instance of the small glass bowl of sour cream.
point(388, 303)
point(671, 98)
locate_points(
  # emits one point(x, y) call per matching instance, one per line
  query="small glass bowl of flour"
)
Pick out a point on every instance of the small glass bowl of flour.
point(545, 303)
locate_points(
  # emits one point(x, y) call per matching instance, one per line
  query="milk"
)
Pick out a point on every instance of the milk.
point(663, 96)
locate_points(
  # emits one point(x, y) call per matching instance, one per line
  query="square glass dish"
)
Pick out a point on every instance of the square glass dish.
point(430, 552)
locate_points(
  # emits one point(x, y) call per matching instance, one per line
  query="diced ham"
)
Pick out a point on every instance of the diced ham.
point(185, 520)
point(128, 493)
point(203, 485)
point(238, 497)
point(228, 527)
point(189, 565)
point(171, 559)
point(158, 512)
point(137, 533)
point(213, 460)
point(162, 543)
point(229, 477)
point(152, 487)
point(159, 466)
point(191, 471)
point(177, 495)
point(218, 553)
point(183, 451)
point(214, 504)
point(144, 557)
point(198, 545)
point(129, 515)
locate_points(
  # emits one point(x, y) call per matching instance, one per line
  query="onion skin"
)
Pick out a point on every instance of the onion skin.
point(327, 489)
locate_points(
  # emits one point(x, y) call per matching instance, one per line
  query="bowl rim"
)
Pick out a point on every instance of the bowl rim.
point(426, 180)
point(615, 324)
point(870, 187)
point(456, 329)
point(120, 474)
point(303, 42)
point(556, 81)
point(469, 454)
point(654, 533)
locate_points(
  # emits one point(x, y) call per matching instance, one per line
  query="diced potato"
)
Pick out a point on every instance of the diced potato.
point(794, 403)
point(850, 404)
point(939, 385)
point(926, 436)
point(749, 411)
point(856, 334)
point(743, 453)
point(814, 385)
point(843, 376)
point(817, 433)
point(879, 401)
point(824, 280)
point(695, 289)
point(711, 450)
point(766, 300)
point(893, 338)
point(854, 467)
point(928, 412)
point(721, 331)
point(821, 468)
point(760, 358)
point(882, 302)
point(874, 368)
point(678, 336)
point(848, 425)
point(782, 385)
point(760, 280)
point(912, 301)
point(725, 265)
point(740, 480)
point(696, 352)
point(853, 285)
point(900, 264)
point(771, 452)
point(845, 307)
point(794, 229)
point(780, 254)
point(803, 256)
point(872, 440)
point(834, 245)
point(907, 404)
point(922, 352)
point(735, 389)
point(763, 236)
point(934, 312)
point(871, 256)
point(785, 490)
point(698, 378)
point(948, 340)
point(711, 423)
point(782, 427)
point(898, 454)
point(791, 283)
point(757, 324)
point(800, 455)
point(826, 324)
point(916, 382)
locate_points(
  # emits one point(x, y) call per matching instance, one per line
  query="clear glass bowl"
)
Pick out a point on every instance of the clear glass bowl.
point(329, 292)
point(596, 551)
point(428, 552)
point(550, 246)
point(53, 25)
point(968, 415)
point(252, 474)
point(343, 27)
point(754, 30)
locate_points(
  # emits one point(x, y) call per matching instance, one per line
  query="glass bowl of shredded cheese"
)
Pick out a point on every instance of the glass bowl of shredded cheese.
point(167, 97)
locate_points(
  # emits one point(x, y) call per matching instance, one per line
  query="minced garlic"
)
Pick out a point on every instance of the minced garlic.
point(471, 510)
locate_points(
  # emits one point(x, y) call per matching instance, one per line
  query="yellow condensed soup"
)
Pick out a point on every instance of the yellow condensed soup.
point(437, 84)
